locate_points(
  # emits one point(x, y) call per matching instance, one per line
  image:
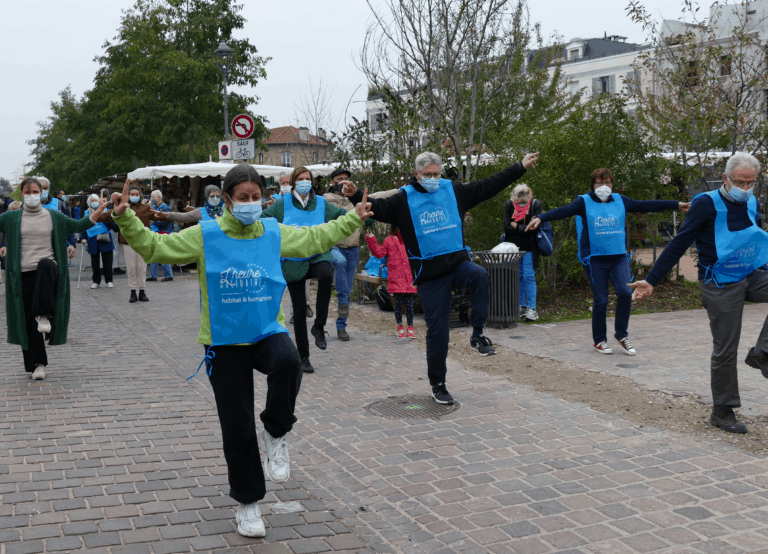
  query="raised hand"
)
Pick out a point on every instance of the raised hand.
point(534, 224)
point(363, 209)
point(530, 160)
point(349, 188)
point(122, 202)
point(684, 206)
point(71, 251)
point(102, 205)
point(3, 251)
point(157, 215)
point(642, 289)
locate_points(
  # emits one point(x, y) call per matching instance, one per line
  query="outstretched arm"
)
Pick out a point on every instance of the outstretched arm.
point(651, 206)
point(477, 192)
point(179, 217)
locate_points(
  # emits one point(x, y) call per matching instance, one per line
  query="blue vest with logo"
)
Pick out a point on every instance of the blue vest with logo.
point(739, 253)
point(98, 229)
point(605, 225)
point(204, 214)
point(245, 284)
point(295, 217)
point(53, 205)
point(436, 220)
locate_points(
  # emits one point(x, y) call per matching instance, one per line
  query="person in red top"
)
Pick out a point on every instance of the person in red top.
point(400, 277)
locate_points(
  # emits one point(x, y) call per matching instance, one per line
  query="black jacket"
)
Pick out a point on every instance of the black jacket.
point(517, 235)
point(395, 210)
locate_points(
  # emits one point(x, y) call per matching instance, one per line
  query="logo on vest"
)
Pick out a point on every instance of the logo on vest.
point(744, 257)
point(606, 225)
point(237, 282)
point(432, 221)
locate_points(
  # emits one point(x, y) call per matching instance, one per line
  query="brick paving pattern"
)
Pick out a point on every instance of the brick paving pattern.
point(115, 453)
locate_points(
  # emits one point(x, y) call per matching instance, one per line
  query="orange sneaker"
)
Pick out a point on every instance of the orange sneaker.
point(411, 333)
point(400, 332)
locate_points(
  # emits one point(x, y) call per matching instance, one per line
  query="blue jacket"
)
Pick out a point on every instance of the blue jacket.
point(94, 246)
point(578, 207)
point(699, 226)
point(162, 226)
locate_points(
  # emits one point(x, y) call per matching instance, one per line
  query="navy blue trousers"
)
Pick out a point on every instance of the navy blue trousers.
point(600, 271)
point(435, 297)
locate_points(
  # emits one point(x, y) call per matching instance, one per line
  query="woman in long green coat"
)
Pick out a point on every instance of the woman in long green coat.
point(37, 283)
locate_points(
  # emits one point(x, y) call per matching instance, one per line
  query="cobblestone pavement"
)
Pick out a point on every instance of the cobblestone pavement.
point(116, 452)
point(673, 351)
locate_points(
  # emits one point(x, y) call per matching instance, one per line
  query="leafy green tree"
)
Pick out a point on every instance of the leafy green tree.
point(157, 96)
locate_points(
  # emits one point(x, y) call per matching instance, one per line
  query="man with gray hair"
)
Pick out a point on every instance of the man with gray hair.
point(733, 251)
point(429, 213)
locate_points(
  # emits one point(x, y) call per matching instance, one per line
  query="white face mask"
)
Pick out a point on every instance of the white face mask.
point(285, 189)
point(32, 200)
point(603, 192)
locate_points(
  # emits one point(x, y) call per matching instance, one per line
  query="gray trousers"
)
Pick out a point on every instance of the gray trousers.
point(725, 307)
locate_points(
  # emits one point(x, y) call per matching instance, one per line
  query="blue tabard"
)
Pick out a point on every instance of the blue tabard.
point(739, 253)
point(436, 220)
point(606, 227)
point(295, 217)
point(204, 214)
point(245, 284)
point(98, 229)
point(53, 205)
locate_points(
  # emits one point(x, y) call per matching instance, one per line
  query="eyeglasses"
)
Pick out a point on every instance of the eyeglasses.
point(431, 175)
point(743, 184)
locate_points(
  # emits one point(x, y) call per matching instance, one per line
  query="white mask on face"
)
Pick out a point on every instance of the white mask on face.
point(32, 200)
point(603, 192)
point(285, 189)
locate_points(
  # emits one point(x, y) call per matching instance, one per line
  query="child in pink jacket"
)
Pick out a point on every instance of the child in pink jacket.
point(400, 277)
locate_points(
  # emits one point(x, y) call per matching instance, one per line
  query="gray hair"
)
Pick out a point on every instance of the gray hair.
point(93, 197)
point(741, 159)
point(283, 174)
point(157, 193)
point(44, 180)
point(520, 191)
point(428, 158)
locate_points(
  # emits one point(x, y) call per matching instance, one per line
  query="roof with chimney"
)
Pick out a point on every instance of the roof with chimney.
point(290, 135)
point(591, 48)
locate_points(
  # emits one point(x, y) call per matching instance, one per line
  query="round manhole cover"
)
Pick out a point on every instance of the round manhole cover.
point(627, 366)
point(517, 337)
point(411, 407)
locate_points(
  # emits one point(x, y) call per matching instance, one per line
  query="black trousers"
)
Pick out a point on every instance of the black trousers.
point(106, 258)
point(324, 275)
point(38, 290)
point(232, 381)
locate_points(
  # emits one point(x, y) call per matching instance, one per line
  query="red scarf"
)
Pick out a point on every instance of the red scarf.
point(521, 211)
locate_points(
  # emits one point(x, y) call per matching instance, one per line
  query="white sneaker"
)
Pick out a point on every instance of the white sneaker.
point(249, 522)
point(625, 346)
point(277, 466)
point(110, 285)
point(603, 348)
point(39, 373)
point(95, 285)
point(43, 324)
point(531, 314)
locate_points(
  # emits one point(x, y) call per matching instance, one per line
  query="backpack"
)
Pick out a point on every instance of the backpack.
point(545, 239)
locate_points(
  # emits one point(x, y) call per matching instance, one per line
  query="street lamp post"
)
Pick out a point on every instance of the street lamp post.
point(224, 53)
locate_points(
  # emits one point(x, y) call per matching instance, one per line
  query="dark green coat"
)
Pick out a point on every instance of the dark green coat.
point(10, 224)
point(292, 270)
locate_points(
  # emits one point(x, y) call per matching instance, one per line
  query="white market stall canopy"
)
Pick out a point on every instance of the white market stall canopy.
point(207, 169)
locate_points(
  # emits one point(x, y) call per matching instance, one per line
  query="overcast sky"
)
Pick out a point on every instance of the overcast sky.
point(46, 45)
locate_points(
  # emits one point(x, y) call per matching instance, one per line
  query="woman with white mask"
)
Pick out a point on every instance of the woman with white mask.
point(98, 240)
point(602, 240)
point(241, 323)
point(37, 284)
point(213, 208)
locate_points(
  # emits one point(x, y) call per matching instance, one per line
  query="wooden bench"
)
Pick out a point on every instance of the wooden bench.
point(371, 279)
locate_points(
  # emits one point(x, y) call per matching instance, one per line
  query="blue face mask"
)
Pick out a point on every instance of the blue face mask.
point(247, 212)
point(303, 187)
point(430, 185)
point(134, 199)
point(44, 195)
point(94, 205)
point(214, 201)
point(740, 195)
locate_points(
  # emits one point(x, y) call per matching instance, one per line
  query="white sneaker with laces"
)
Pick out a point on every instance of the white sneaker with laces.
point(603, 348)
point(39, 373)
point(95, 285)
point(249, 522)
point(43, 324)
point(531, 314)
point(277, 466)
point(625, 346)
point(110, 285)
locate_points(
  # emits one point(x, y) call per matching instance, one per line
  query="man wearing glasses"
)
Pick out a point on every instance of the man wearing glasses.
point(733, 250)
point(429, 212)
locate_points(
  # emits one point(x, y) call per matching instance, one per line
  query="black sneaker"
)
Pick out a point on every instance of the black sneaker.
point(441, 394)
point(310, 313)
point(291, 321)
point(319, 335)
point(118, 271)
point(342, 334)
point(343, 310)
point(143, 296)
point(483, 345)
point(306, 367)
point(759, 360)
point(133, 297)
point(166, 279)
point(151, 279)
point(726, 420)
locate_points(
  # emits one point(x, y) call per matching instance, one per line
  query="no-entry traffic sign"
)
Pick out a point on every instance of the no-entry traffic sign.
point(242, 126)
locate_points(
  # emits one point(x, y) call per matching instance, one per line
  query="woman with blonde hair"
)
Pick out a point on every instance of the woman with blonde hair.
point(519, 210)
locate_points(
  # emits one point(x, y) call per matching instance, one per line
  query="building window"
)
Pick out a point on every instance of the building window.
point(286, 159)
point(261, 157)
point(574, 87)
point(604, 85)
point(377, 120)
point(573, 54)
point(725, 65)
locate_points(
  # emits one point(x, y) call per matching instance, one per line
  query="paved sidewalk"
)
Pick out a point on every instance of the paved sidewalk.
point(673, 351)
point(116, 452)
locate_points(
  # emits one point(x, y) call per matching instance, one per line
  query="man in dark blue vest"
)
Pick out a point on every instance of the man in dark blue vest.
point(429, 212)
point(733, 251)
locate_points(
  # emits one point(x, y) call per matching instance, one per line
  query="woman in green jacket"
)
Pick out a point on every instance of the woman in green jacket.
point(241, 322)
point(37, 284)
point(302, 207)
